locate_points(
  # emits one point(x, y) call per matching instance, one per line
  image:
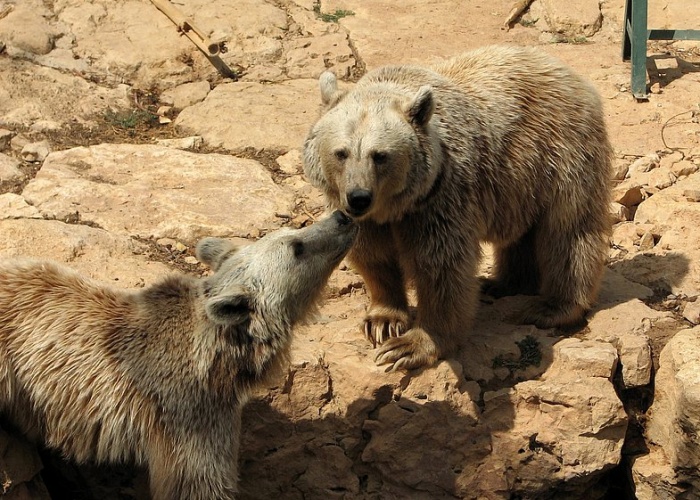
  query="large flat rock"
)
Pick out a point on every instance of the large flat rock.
point(153, 191)
point(221, 120)
point(117, 260)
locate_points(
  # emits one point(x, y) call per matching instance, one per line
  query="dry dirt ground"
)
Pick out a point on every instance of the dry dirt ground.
point(384, 32)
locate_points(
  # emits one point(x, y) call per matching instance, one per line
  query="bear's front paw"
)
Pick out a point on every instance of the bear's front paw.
point(415, 349)
point(382, 323)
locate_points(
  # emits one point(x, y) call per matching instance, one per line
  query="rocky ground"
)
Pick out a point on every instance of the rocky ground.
point(121, 145)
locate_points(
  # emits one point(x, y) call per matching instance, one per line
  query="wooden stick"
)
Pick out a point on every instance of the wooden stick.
point(518, 8)
point(187, 27)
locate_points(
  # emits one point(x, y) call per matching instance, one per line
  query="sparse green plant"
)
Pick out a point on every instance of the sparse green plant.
point(529, 22)
point(331, 18)
point(530, 355)
point(129, 118)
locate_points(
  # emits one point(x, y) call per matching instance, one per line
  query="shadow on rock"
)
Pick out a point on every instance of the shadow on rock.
point(379, 448)
point(661, 273)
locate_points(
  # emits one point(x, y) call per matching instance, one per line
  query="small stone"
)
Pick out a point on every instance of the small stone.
point(635, 357)
point(628, 193)
point(683, 168)
point(5, 138)
point(164, 110)
point(619, 212)
point(644, 164)
point(619, 170)
point(655, 88)
point(18, 142)
point(45, 126)
point(163, 120)
point(190, 259)
point(9, 169)
point(13, 206)
point(35, 152)
point(691, 312)
point(290, 163)
point(641, 229)
point(186, 95)
point(647, 242)
point(179, 247)
point(166, 242)
point(192, 143)
point(692, 194)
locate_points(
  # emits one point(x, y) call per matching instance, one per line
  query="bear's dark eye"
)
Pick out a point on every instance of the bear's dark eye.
point(341, 154)
point(380, 158)
point(298, 248)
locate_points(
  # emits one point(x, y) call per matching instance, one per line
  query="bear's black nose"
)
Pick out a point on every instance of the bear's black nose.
point(341, 218)
point(359, 201)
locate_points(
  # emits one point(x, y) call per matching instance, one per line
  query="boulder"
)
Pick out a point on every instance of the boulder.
point(157, 192)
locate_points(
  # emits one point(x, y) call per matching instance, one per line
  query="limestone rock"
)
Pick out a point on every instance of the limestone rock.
point(186, 94)
point(644, 164)
point(619, 212)
point(573, 18)
point(13, 206)
point(684, 168)
point(152, 191)
point(546, 432)
point(192, 143)
point(675, 414)
point(620, 169)
point(291, 162)
point(5, 138)
point(98, 254)
point(309, 57)
point(28, 94)
point(691, 312)
point(628, 193)
point(25, 28)
point(36, 152)
point(211, 119)
point(9, 169)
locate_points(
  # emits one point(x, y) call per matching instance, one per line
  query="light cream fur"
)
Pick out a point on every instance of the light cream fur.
point(159, 376)
point(502, 144)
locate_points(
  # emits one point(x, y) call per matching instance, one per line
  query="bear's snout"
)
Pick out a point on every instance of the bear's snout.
point(359, 201)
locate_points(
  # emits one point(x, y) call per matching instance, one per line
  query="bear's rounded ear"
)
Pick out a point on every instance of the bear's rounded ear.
point(233, 308)
point(330, 95)
point(213, 251)
point(420, 109)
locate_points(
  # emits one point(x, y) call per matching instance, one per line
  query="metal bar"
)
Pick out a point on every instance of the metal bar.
point(626, 31)
point(656, 34)
point(639, 49)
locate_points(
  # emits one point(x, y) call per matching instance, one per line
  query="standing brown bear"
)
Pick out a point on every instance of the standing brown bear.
point(502, 144)
point(159, 376)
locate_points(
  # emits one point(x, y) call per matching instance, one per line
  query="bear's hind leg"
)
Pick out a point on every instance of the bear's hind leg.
point(517, 271)
point(571, 261)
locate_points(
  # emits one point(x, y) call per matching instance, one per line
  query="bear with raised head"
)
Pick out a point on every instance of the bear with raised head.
point(503, 145)
point(159, 376)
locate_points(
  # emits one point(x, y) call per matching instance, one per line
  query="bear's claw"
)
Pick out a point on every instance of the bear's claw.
point(383, 323)
point(415, 349)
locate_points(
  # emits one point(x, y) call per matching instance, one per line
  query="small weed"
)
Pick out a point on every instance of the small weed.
point(530, 355)
point(331, 18)
point(130, 118)
point(528, 23)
